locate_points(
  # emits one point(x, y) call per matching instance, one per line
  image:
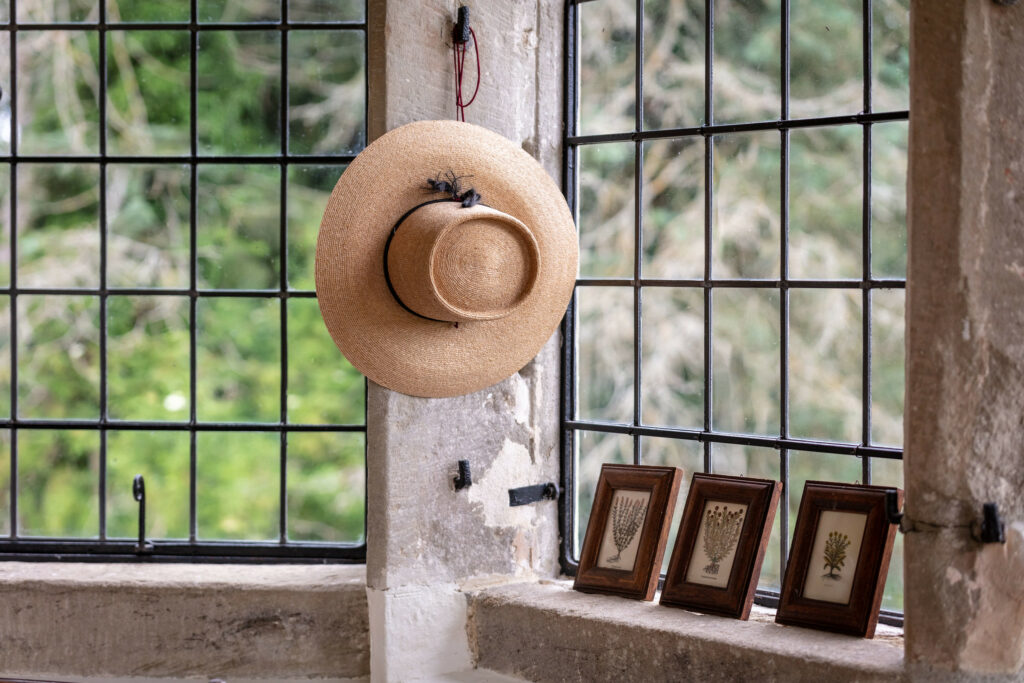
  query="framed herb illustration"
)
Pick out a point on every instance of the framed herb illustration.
point(627, 531)
point(839, 560)
point(720, 544)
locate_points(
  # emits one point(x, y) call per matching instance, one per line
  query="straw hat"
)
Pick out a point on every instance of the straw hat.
point(444, 287)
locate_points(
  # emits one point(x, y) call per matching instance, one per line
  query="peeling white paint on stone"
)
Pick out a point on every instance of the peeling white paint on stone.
point(512, 468)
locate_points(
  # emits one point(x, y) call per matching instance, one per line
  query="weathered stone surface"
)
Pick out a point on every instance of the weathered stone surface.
point(965, 349)
point(551, 633)
point(179, 621)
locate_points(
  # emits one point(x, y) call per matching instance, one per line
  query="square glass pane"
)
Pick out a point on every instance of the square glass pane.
point(604, 354)
point(606, 201)
point(239, 95)
point(326, 92)
point(162, 458)
point(889, 199)
point(688, 456)
point(5, 353)
point(673, 211)
point(325, 10)
point(146, 11)
point(5, 482)
point(326, 487)
point(148, 226)
point(239, 227)
point(825, 357)
point(147, 92)
point(5, 95)
point(58, 82)
point(58, 357)
point(58, 483)
point(759, 463)
point(745, 212)
point(888, 323)
point(5, 225)
point(147, 358)
point(607, 66)
point(4, 10)
point(58, 225)
point(238, 360)
point(309, 188)
point(238, 484)
point(826, 58)
point(594, 449)
point(748, 45)
point(745, 344)
point(825, 202)
point(672, 382)
point(888, 472)
point(673, 64)
point(48, 11)
point(323, 387)
point(239, 10)
point(891, 60)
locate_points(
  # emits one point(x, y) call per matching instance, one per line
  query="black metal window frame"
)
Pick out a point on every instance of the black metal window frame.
point(193, 549)
point(572, 141)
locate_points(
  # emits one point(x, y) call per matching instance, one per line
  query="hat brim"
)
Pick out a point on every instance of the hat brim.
point(388, 344)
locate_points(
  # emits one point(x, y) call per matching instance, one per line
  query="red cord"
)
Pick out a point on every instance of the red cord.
point(459, 60)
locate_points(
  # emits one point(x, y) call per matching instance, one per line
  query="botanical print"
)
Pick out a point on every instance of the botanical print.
point(717, 538)
point(622, 532)
point(834, 555)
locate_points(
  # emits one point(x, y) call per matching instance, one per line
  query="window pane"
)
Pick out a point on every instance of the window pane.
point(606, 201)
point(673, 63)
point(239, 10)
point(5, 223)
point(891, 60)
point(309, 188)
point(745, 344)
point(58, 82)
point(5, 84)
point(825, 363)
point(148, 226)
point(747, 48)
point(239, 231)
point(58, 225)
point(673, 357)
point(604, 356)
point(147, 86)
point(58, 357)
point(46, 11)
point(326, 487)
point(238, 485)
point(147, 358)
point(826, 60)
point(746, 205)
point(760, 463)
point(326, 92)
point(239, 96)
point(58, 483)
point(146, 10)
point(673, 212)
point(887, 371)
point(889, 200)
point(325, 10)
point(888, 472)
point(594, 449)
point(607, 66)
point(322, 385)
point(5, 357)
point(5, 482)
point(825, 201)
point(162, 458)
point(238, 360)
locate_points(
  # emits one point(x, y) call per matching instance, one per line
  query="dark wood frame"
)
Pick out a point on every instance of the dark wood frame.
point(761, 496)
point(860, 615)
point(642, 582)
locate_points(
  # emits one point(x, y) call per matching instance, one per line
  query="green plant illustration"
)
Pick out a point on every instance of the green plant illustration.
point(721, 531)
point(835, 554)
point(627, 516)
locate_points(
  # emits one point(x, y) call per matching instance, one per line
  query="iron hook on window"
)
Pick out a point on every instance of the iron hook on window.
point(139, 493)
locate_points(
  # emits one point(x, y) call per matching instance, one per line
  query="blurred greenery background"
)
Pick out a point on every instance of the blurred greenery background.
point(825, 240)
point(238, 246)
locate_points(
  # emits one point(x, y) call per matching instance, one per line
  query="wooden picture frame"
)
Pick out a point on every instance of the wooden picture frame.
point(628, 529)
point(844, 529)
point(720, 544)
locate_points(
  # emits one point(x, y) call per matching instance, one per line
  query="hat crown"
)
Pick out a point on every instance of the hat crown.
point(452, 263)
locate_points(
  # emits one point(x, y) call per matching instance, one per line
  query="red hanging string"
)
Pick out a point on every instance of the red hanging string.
point(459, 60)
